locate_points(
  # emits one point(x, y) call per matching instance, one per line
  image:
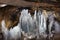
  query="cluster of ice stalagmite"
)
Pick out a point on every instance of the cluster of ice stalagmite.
point(34, 25)
point(39, 20)
point(30, 26)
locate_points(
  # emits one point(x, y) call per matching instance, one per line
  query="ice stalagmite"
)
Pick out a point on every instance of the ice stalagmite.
point(41, 22)
point(28, 23)
point(4, 30)
point(13, 33)
point(57, 27)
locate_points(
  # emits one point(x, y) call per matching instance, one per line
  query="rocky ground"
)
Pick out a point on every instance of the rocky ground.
point(56, 37)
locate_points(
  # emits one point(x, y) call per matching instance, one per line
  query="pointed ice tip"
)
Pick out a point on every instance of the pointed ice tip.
point(3, 5)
